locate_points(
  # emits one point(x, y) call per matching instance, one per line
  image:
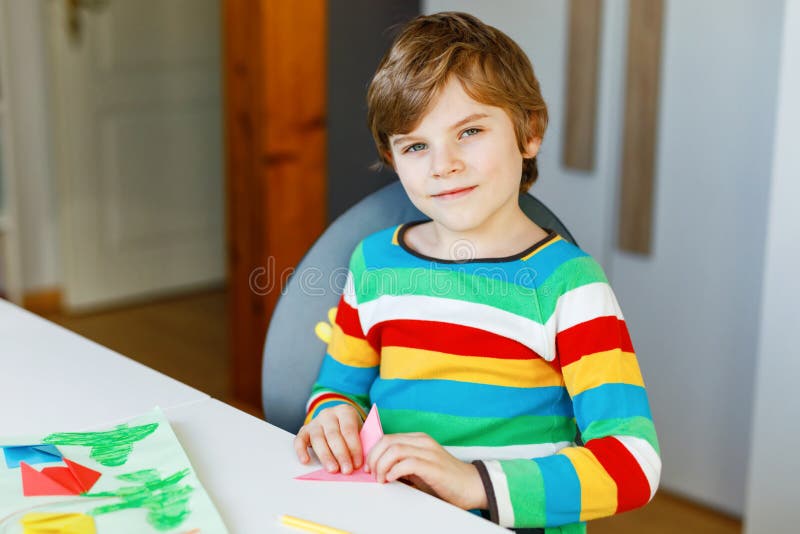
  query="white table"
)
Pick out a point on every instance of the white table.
point(49, 375)
point(246, 465)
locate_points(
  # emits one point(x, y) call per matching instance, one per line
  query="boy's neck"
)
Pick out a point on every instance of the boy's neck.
point(497, 239)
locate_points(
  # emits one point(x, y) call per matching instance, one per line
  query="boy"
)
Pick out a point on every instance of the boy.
point(484, 365)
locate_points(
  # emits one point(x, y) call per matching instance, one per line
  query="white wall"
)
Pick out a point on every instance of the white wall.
point(582, 200)
point(693, 305)
point(772, 496)
point(36, 188)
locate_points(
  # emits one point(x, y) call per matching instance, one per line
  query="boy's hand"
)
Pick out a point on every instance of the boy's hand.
point(419, 459)
point(333, 434)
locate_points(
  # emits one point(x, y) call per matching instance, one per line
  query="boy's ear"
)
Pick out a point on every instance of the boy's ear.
point(388, 156)
point(532, 147)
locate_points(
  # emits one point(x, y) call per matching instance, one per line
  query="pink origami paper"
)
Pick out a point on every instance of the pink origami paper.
point(371, 433)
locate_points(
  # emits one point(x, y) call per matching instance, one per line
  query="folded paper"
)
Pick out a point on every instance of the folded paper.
point(73, 479)
point(31, 455)
point(128, 477)
point(53, 523)
point(371, 433)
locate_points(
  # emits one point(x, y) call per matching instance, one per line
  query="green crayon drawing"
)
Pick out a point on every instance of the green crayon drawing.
point(110, 448)
point(167, 500)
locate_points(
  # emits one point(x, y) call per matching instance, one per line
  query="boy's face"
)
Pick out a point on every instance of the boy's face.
point(461, 166)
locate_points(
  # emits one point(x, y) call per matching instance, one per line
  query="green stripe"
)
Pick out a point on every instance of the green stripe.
point(526, 488)
point(574, 528)
point(568, 276)
point(536, 305)
point(457, 285)
point(457, 431)
point(357, 262)
point(638, 427)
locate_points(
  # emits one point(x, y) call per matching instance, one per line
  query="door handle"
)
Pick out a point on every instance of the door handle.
point(74, 16)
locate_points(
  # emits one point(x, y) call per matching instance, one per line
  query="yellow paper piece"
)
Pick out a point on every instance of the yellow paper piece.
point(50, 523)
point(323, 331)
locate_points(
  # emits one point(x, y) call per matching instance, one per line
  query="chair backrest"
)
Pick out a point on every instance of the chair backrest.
point(292, 352)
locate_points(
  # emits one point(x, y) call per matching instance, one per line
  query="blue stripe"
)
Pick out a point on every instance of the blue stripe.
point(562, 490)
point(380, 253)
point(327, 404)
point(469, 399)
point(344, 378)
point(556, 255)
point(611, 401)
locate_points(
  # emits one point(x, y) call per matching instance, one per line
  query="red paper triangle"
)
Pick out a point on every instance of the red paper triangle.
point(86, 477)
point(36, 483)
point(63, 476)
point(73, 479)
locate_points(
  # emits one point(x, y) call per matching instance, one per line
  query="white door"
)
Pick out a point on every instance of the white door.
point(138, 136)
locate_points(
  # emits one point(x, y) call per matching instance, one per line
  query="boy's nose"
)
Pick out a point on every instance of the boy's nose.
point(445, 163)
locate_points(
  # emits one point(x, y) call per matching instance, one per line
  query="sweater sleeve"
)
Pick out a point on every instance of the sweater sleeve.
point(351, 362)
point(618, 467)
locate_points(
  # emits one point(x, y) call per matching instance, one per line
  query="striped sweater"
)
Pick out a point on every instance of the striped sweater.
point(501, 361)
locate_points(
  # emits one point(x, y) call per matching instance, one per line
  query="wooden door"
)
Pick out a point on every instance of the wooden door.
point(275, 138)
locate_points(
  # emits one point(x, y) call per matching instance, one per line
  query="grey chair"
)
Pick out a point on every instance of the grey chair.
point(293, 352)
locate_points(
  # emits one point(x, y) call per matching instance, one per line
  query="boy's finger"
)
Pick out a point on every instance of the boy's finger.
point(392, 455)
point(376, 452)
point(410, 467)
point(320, 446)
point(301, 443)
point(349, 428)
point(338, 447)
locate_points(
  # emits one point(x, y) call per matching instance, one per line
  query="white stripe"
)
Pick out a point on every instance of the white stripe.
point(482, 316)
point(584, 304)
point(647, 457)
point(349, 292)
point(314, 397)
point(505, 512)
point(510, 452)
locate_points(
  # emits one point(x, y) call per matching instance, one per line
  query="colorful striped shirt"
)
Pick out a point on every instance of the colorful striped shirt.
point(501, 361)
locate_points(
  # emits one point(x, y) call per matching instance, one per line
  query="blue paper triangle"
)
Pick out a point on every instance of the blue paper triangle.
point(31, 454)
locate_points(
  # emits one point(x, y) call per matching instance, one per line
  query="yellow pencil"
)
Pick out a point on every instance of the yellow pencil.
point(309, 526)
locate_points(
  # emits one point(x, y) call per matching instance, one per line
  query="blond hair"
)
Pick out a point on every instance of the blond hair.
point(491, 67)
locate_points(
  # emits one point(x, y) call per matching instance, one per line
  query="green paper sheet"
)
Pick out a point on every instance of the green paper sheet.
point(147, 482)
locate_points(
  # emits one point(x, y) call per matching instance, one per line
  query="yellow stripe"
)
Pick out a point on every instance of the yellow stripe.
point(612, 366)
point(598, 489)
point(395, 241)
point(556, 239)
point(407, 363)
point(350, 350)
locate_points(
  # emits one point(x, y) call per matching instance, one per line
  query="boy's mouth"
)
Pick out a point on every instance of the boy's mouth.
point(454, 193)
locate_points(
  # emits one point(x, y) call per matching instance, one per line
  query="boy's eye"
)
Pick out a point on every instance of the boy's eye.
point(416, 147)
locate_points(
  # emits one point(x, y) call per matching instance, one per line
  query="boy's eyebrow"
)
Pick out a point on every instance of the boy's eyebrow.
point(470, 118)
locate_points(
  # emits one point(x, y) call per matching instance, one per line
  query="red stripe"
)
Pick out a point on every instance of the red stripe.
point(347, 319)
point(597, 335)
point(447, 337)
point(326, 397)
point(633, 489)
